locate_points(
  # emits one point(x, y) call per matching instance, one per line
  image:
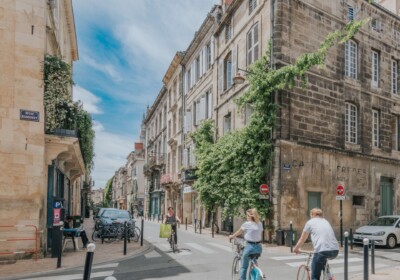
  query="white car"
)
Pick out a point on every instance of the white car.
point(384, 231)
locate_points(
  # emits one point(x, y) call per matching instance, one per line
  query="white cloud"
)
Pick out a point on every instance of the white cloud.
point(88, 99)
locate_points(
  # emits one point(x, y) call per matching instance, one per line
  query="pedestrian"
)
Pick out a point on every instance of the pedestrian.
point(82, 232)
point(323, 239)
point(171, 218)
point(252, 230)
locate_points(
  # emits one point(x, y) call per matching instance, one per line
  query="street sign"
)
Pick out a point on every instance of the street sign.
point(340, 197)
point(340, 190)
point(264, 196)
point(264, 189)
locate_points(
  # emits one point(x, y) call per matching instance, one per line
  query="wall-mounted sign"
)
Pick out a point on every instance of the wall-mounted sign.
point(27, 115)
point(187, 189)
point(286, 166)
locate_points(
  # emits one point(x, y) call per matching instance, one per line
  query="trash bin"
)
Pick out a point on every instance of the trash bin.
point(280, 238)
point(287, 237)
point(76, 221)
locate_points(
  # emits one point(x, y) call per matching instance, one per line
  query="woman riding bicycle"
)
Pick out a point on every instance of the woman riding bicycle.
point(252, 230)
point(171, 218)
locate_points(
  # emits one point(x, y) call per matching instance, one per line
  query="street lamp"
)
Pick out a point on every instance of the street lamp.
point(239, 79)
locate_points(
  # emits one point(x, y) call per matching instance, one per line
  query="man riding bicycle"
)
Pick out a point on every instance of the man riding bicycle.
point(323, 240)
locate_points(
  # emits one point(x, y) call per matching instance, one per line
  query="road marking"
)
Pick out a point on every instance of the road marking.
point(335, 261)
point(152, 254)
point(354, 268)
point(223, 247)
point(201, 248)
point(293, 257)
point(73, 276)
point(105, 265)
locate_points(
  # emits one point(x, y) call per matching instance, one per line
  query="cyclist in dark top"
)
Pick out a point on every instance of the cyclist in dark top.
point(171, 218)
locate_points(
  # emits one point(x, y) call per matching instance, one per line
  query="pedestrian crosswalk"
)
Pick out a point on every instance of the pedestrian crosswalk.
point(98, 272)
point(355, 263)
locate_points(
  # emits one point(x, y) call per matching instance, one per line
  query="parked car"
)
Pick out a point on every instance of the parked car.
point(113, 216)
point(384, 231)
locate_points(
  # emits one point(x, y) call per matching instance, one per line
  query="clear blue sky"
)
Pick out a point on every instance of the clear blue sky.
point(125, 48)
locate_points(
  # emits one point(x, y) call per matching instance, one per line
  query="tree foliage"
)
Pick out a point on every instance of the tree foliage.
point(231, 169)
point(61, 111)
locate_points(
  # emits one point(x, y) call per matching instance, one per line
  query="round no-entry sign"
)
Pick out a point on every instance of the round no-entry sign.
point(264, 189)
point(340, 190)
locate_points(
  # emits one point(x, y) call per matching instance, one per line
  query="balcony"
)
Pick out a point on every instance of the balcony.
point(188, 175)
point(156, 161)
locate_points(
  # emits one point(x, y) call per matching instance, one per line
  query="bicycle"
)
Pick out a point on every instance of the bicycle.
point(172, 240)
point(254, 272)
point(304, 271)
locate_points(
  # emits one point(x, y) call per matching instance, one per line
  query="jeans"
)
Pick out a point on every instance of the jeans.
point(248, 249)
point(319, 262)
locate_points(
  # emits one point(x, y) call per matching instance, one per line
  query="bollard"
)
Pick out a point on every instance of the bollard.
point(212, 228)
point(291, 237)
point(366, 243)
point(89, 260)
point(263, 232)
point(59, 255)
point(162, 218)
point(346, 255)
point(373, 256)
point(230, 226)
point(186, 223)
point(125, 236)
point(351, 239)
point(200, 226)
point(195, 225)
point(141, 235)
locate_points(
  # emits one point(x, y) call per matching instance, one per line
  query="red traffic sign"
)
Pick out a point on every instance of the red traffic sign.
point(264, 189)
point(340, 190)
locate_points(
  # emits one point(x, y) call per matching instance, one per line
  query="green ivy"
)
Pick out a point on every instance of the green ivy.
point(61, 111)
point(231, 169)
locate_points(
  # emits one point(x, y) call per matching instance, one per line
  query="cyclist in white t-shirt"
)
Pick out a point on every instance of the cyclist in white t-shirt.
point(323, 239)
point(252, 230)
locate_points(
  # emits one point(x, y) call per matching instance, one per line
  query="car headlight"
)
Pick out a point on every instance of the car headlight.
point(379, 233)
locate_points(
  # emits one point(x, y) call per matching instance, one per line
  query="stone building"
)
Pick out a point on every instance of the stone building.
point(97, 196)
point(344, 128)
point(119, 188)
point(135, 180)
point(38, 169)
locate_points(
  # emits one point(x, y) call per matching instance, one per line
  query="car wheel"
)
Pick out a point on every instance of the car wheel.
point(391, 241)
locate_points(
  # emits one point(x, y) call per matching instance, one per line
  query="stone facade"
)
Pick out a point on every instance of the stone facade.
point(35, 167)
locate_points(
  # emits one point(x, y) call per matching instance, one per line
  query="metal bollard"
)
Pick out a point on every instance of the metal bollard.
point(195, 225)
point(59, 255)
point(89, 260)
point(366, 244)
point(346, 255)
point(351, 239)
point(373, 256)
point(125, 236)
point(186, 223)
point(141, 235)
point(291, 237)
point(230, 226)
point(200, 226)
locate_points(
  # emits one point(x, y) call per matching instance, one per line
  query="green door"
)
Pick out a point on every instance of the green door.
point(314, 201)
point(386, 196)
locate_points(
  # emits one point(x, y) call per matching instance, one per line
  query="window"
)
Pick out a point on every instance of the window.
point(252, 44)
point(351, 123)
point(351, 59)
point(252, 5)
point(174, 124)
point(375, 128)
point(208, 56)
point(358, 200)
point(228, 31)
point(188, 79)
point(248, 112)
point(197, 69)
point(350, 13)
point(228, 71)
point(376, 25)
point(375, 68)
point(227, 123)
point(397, 134)
point(395, 77)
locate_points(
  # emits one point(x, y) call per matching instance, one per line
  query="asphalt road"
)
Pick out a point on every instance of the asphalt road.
point(203, 257)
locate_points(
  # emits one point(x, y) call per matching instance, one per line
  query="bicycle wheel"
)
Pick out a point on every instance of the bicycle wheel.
point(136, 234)
point(96, 236)
point(236, 268)
point(303, 273)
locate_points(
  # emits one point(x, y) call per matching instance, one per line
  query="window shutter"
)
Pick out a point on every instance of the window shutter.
point(184, 83)
point(185, 123)
point(212, 49)
point(204, 52)
point(249, 48)
point(185, 157)
point(255, 41)
point(234, 59)
point(189, 121)
point(209, 105)
point(201, 61)
point(193, 74)
point(197, 112)
point(220, 75)
point(202, 108)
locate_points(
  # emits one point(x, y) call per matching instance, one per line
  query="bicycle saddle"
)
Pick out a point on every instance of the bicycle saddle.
point(254, 256)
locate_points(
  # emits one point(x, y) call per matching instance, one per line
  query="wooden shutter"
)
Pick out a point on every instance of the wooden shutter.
point(234, 60)
point(220, 75)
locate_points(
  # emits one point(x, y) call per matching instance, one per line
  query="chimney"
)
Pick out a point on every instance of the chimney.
point(138, 146)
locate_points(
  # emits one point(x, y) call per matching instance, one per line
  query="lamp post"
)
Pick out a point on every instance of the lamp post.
point(239, 79)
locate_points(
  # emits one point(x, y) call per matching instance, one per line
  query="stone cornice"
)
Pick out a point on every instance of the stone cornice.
point(172, 67)
point(70, 21)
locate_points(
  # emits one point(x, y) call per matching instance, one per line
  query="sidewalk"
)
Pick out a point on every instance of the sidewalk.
point(70, 259)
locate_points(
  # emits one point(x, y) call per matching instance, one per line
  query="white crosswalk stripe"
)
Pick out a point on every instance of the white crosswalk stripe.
point(201, 248)
point(77, 276)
